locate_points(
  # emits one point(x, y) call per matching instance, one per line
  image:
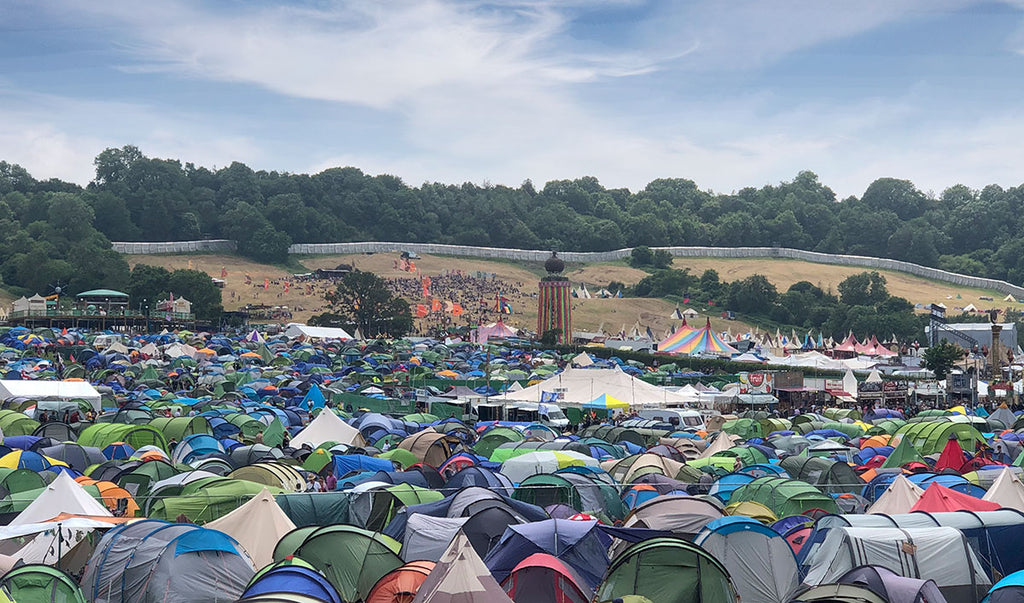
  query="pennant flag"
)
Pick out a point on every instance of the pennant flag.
point(266, 284)
point(314, 398)
point(421, 311)
point(273, 435)
point(287, 286)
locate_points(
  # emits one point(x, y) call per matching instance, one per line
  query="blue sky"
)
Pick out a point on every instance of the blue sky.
point(728, 94)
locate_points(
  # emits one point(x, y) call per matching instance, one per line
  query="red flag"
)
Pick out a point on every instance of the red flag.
point(287, 286)
point(457, 310)
point(266, 284)
point(421, 311)
point(223, 272)
point(425, 282)
point(435, 305)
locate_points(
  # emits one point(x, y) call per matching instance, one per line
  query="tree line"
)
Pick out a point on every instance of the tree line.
point(54, 230)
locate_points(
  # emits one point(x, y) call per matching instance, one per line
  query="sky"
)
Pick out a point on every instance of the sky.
point(729, 94)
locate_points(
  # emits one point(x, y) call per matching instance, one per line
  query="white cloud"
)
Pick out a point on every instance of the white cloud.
point(58, 137)
point(501, 92)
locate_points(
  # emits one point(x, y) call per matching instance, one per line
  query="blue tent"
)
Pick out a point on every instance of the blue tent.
point(578, 544)
point(293, 579)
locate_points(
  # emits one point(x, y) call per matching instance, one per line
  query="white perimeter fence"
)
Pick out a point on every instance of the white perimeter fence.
point(532, 255)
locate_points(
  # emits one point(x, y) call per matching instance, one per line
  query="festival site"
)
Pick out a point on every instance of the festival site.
point(151, 457)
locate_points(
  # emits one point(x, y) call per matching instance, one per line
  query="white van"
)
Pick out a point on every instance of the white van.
point(681, 418)
point(545, 413)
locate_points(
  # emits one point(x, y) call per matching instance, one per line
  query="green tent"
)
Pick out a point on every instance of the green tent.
point(204, 500)
point(930, 437)
point(745, 428)
point(401, 456)
point(36, 582)
point(13, 423)
point(784, 496)
point(667, 570)
point(313, 510)
point(20, 480)
point(830, 476)
point(903, 453)
point(178, 428)
point(102, 435)
point(352, 559)
point(388, 501)
point(496, 437)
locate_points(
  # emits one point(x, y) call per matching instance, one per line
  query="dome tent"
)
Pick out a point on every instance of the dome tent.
point(667, 570)
point(151, 561)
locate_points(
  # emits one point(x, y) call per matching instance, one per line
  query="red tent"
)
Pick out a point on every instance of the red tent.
point(543, 578)
point(952, 456)
point(850, 345)
point(938, 498)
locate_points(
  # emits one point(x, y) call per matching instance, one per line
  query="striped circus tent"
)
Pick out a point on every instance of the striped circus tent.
point(675, 339)
point(697, 341)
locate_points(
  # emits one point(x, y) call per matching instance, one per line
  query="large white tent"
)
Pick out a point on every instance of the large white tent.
point(295, 330)
point(50, 391)
point(579, 385)
point(327, 427)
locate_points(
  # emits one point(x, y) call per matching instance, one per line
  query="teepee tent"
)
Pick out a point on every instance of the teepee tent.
point(1007, 491)
point(460, 576)
point(328, 427)
point(62, 495)
point(257, 525)
point(901, 496)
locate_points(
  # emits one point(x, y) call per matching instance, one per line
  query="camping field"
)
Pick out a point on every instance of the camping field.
point(589, 314)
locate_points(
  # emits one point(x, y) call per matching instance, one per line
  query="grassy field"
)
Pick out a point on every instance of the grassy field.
point(611, 315)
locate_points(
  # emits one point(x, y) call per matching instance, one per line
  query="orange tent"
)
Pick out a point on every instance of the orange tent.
point(876, 441)
point(400, 584)
point(111, 494)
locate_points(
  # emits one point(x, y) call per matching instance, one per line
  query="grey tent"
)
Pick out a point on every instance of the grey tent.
point(152, 561)
point(892, 586)
point(759, 560)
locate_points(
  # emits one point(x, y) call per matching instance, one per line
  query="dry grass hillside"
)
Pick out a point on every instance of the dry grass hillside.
point(518, 283)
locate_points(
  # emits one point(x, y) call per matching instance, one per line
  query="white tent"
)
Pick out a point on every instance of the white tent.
point(62, 495)
point(578, 385)
point(427, 537)
point(523, 466)
point(295, 330)
point(901, 495)
point(1007, 491)
point(327, 427)
point(940, 554)
point(50, 390)
point(257, 525)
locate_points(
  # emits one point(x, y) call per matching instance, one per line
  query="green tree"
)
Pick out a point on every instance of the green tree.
point(641, 256)
point(197, 287)
point(864, 289)
point(364, 301)
point(148, 284)
point(662, 259)
point(941, 358)
point(753, 295)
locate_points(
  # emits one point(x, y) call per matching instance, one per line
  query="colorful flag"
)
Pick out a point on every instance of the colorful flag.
point(266, 284)
point(435, 305)
point(457, 310)
point(549, 396)
point(506, 308)
point(287, 286)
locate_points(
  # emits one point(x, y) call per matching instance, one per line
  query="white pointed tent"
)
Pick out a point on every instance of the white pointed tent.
point(257, 526)
point(62, 495)
point(1007, 491)
point(460, 576)
point(327, 427)
point(899, 497)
